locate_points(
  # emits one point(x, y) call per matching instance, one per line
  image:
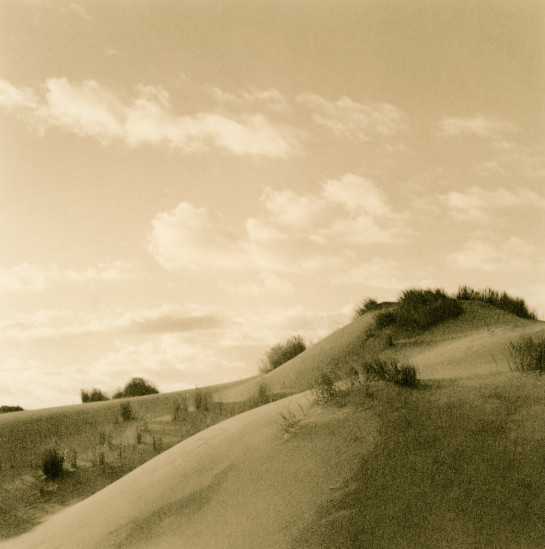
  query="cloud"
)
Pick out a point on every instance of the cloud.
point(477, 204)
point(478, 126)
point(376, 272)
point(514, 254)
point(160, 320)
point(32, 277)
point(288, 208)
point(17, 99)
point(293, 230)
point(270, 98)
point(89, 109)
point(348, 118)
point(357, 193)
point(192, 238)
point(345, 213)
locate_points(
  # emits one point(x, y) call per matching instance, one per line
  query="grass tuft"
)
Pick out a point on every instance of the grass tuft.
point(527, 354)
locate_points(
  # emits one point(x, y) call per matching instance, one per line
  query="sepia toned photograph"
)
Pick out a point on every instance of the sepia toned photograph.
point(272, 274)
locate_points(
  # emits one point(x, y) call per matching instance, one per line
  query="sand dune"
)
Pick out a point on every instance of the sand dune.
point(241, 483)
point(249, 482)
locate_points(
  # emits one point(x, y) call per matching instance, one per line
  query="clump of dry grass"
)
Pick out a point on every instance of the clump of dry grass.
point(527, 354)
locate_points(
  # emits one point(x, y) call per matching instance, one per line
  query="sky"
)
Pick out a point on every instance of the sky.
point(184, 184)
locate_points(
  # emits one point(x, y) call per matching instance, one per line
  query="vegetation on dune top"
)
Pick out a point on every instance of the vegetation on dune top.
point(419, 309)
point(514, 305)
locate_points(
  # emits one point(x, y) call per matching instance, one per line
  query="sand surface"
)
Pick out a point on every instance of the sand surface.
point(244, 483)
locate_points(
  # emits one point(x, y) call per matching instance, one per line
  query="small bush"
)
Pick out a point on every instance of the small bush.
point(514, 305)
point(367, 306)
point(138, 386)
point(94, 395)
point(52, 462)
point(126, 411)
point(527, 354)
point(8, 409)
point(282, 352)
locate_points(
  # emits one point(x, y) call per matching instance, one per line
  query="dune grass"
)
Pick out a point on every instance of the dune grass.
point(500, 300)
point(418, 310)
point(527, 354)
point(456, 465)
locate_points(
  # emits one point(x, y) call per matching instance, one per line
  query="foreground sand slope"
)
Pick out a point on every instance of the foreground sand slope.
point(244, 483)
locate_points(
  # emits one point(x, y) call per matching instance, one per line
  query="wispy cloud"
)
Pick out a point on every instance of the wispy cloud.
point(270, 98)
point(33, 277)
point(348, 118)
point(89, 109)
point(514, 254)
point(477, 204)
point(477, 126)
point(160, 320)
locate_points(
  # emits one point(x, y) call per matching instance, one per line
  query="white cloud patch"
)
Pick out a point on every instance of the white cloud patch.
point(192, 238)
point(32, 277)
point(348, 118)
point(477, 204)
point(478, 126)
point(89, 109)
point(346, 213)
point(514, 254)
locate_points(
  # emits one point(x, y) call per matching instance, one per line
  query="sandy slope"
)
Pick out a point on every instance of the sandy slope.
point(242, 483)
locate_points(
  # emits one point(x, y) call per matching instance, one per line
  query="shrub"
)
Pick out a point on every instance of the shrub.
point(8, 409)
point(514, 305)
point(282, 352)
point(126, 411)
point(139, 386)
point(419, 309)
point(367, 306)
point(52, 462)
point(94, 395)
point(527, 354)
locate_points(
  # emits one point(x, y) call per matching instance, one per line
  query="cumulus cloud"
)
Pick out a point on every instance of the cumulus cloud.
point(33, 277)
point(513, 254)
point(478, 126)
point(478, 204)
point(193, 238)
point(348, 118)
point(345, 213)
point(89, 109)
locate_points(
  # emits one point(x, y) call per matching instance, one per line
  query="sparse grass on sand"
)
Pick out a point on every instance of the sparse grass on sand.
point(457, 465)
